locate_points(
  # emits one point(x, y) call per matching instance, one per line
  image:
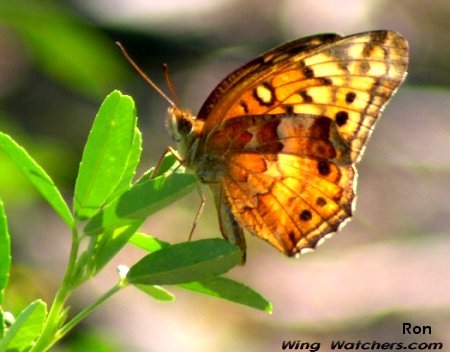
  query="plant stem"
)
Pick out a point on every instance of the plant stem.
point(88, 310)
point(53, 321)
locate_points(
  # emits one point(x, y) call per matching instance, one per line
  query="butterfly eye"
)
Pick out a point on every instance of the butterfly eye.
point(184, 125)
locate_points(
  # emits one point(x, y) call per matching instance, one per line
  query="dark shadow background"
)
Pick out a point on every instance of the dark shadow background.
point(388, 266)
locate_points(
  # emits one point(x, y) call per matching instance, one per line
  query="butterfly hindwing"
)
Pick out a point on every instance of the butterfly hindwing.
point(287, 178)
point(285, 201)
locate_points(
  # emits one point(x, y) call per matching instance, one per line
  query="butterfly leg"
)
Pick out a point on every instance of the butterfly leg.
point(156, 172)
point(170, 150)
point(199, 211)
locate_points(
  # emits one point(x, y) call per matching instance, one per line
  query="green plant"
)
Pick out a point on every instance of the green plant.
point(108, 210)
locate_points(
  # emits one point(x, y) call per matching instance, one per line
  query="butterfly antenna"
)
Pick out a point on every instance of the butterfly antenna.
point(170, 84)
point(144, 76)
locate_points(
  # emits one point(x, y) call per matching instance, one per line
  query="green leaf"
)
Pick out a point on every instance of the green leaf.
point(157, 292)
point(140, 201)
point(106, 154)
point(26, 327)
point(221, 287)
point(130, 170)
point(2, 324)
point(107, 245)
point(185, 262)
point(168, 163)
point(218, 287)
point(64, 46)
point(5, 252)
point(147, 243)
point(37, 176)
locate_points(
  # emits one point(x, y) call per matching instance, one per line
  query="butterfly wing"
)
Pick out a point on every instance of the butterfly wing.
point(281, 134)
point(347, 79)
point(289, 190)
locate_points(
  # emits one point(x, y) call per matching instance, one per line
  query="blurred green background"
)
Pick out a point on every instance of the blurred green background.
point(389, 265)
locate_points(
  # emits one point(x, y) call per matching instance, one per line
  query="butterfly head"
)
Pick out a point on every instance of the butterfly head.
point(183, 127)
point(179, 123)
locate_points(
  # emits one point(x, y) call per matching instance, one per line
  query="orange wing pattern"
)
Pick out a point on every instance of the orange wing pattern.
point(280, 136)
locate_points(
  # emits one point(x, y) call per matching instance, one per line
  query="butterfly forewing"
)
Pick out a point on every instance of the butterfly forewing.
point(346, 79)
point(229, 90)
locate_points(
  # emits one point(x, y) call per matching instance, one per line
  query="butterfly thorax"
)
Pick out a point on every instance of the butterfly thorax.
point(185, 130)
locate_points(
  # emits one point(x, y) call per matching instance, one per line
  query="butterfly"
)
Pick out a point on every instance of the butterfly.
point(278, 139)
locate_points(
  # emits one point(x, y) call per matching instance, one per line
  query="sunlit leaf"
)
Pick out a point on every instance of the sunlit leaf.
point(106, 154)
point(230, 290)
point(142, 200)
point(157, 292)
point(37, 176)
point(5, 252)
point(132, 163)
point(2, 324)
point(26, 328)
point(146, 242)
point(107, 245)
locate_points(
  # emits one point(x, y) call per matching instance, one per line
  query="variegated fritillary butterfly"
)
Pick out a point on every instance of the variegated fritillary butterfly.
point(278, 139)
